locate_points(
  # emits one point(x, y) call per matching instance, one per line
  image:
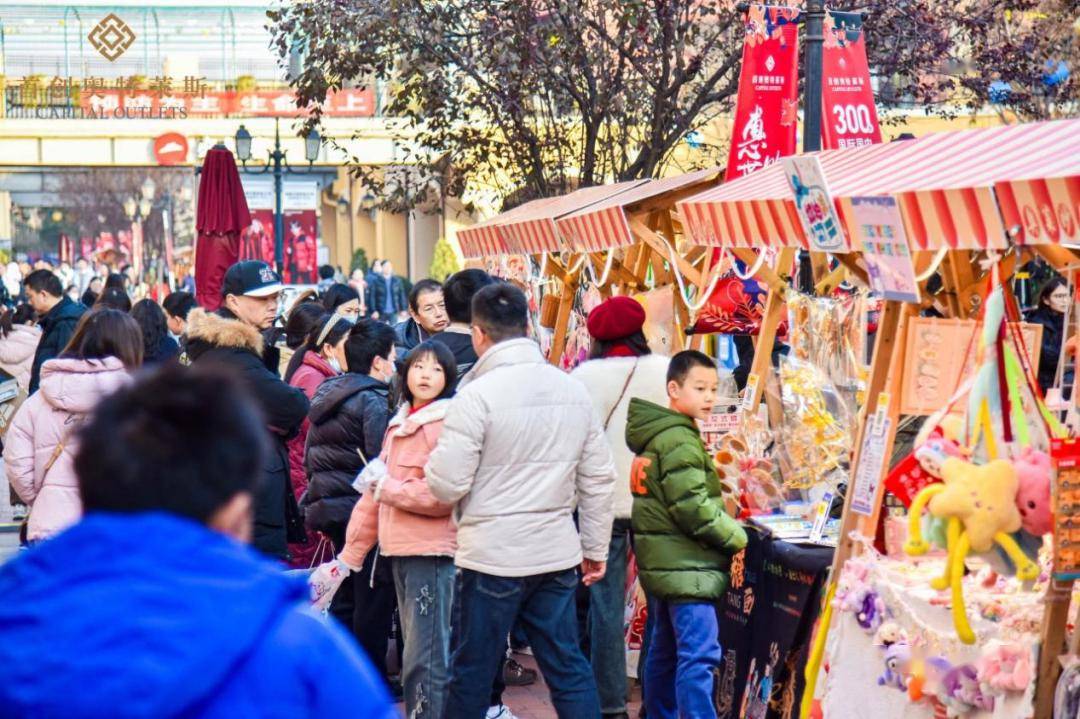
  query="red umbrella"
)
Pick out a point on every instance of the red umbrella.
point(221, 215)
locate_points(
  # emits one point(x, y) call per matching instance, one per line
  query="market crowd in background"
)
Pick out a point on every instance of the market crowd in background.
point(464, 499)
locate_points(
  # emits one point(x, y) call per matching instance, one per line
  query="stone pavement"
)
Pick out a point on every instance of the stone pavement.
point(533, 702)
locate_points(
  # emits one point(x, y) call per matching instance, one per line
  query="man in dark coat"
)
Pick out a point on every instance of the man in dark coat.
point(349, 415)
point(386, 294)
point(231, 337)
point(458, 294)
point(427, 317)
point(58, 317)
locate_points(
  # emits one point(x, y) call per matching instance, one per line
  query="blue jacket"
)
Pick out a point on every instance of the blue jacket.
point(152, 615)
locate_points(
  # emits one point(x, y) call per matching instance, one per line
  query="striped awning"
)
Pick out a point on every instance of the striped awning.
point(530, 228)
point(960, 190)
point(605, 226)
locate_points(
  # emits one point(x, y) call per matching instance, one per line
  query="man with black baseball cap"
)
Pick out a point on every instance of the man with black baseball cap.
point(232, 337)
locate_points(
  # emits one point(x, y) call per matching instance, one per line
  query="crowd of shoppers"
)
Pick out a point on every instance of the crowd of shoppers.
point(414, 442)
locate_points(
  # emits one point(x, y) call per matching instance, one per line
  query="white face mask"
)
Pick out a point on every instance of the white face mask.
point(333, 362)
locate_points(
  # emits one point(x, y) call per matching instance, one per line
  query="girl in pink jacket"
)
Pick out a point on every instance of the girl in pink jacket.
point(40, 447)
point(413, 528)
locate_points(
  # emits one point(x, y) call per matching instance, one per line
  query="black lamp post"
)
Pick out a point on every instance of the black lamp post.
point(815, 40)
point(277, 164)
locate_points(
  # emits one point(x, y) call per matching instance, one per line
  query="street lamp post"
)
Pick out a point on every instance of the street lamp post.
point(815, 40)
point(279, 167)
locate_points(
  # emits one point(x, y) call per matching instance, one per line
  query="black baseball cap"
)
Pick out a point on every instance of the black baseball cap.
point(251, 278)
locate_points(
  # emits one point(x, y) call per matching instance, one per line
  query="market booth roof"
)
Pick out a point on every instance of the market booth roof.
point(946, 185)
point(591, 219)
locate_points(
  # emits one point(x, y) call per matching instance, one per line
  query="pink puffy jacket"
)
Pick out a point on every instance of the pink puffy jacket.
point(402, 514)
point(70, 388)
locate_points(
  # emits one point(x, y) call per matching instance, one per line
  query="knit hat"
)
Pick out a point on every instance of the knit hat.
point(616, 318)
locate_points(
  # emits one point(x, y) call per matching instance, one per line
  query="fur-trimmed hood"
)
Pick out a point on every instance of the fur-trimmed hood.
point(222, 329)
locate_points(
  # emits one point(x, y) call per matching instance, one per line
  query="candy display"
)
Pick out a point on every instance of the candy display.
point(815, 438)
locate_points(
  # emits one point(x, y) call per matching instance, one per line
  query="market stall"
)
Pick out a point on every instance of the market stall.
point(944, 193)
point(607, 239)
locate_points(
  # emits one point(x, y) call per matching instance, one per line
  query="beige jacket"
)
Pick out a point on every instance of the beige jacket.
point(605, 380)
point(521, 448)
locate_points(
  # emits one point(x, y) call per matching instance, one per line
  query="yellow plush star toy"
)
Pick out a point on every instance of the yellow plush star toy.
point(979, 502)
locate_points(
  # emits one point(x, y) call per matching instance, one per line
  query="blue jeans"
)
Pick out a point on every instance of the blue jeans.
point(683, 656)
point(485, 608)
point(607, 631)
point(425, 591)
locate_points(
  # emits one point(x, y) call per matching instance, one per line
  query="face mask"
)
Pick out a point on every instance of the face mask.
point(333, 362)
point(351, 319)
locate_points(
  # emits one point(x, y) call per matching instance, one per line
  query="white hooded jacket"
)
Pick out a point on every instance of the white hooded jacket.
point(521, 448)
point(605, 380)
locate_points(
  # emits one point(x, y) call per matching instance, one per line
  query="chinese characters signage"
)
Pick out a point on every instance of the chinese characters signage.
point(164, 97)
point(814, 205)
point(850, 117)
point(767, 104)
point(885, 248)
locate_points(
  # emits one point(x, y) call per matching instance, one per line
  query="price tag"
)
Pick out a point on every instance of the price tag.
point(881, 413)
point(720, 422)
point(751, 390)
point(821, 516)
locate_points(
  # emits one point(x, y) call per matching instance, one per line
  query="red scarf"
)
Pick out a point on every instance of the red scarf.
point(620, 349)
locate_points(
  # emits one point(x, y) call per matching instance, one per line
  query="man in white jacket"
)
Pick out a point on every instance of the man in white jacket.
point(522, 448)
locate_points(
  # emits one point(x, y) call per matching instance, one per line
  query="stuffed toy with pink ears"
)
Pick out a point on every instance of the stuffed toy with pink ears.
point(1033, 473)
point(1005, 667)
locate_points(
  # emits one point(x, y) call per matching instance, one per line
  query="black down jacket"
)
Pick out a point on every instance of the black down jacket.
point(348, 413)
point(57, 327)
point(223, 340)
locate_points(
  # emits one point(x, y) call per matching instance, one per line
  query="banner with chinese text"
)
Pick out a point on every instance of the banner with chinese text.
point(849, 117)
point(766, 109)
point(155, 103)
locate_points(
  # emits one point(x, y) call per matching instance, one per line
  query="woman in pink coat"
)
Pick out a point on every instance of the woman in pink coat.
point(413, 528)
point(40, 447)
point(320, 357)
point(19, 337)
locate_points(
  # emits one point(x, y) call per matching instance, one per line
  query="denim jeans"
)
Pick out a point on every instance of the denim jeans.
point(425, 591)
point(485, 608)
point(684, 653)
point(607, 633)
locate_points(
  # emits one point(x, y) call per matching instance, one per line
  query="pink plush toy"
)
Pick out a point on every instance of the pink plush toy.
point(1033, 472)
point(1004, 668)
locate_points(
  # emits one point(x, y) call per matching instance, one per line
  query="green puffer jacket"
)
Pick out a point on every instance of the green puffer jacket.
point(683, 538)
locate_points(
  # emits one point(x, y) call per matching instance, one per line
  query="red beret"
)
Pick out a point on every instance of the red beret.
point(616, 318)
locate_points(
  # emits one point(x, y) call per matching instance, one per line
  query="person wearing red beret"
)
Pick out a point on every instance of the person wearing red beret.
point(621, 366)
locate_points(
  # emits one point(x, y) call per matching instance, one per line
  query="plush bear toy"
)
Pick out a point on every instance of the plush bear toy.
point(1033, 473)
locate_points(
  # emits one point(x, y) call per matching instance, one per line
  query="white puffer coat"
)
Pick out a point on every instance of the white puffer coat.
point(605, 379)
point(521, 447)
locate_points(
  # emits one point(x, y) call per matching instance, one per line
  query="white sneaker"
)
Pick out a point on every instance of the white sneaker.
point(500, 711)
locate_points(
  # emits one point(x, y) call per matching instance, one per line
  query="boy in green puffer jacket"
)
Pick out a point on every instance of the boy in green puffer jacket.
point(683, 539)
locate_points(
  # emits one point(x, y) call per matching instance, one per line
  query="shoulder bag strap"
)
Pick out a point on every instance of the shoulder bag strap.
point(626, 385)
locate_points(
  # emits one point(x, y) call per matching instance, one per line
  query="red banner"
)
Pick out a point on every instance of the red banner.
point(301, 246)
point(111, 104)
point(767, 107)
point(849, 117)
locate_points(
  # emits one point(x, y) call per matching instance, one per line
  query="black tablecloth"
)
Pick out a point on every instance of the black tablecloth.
point(766, 618)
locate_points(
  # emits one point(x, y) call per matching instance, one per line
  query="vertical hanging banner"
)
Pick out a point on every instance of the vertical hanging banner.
point(767, 106)
point(849, 117)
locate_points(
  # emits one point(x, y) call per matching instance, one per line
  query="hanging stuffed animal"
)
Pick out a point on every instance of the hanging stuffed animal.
point(979, 503)
point(897, 661)
point(1034, 472)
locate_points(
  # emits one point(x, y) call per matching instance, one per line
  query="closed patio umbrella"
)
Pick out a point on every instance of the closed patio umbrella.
point(220, 216)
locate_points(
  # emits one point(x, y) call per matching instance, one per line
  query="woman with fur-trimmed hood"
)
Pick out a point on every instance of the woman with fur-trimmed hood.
point(223, 338)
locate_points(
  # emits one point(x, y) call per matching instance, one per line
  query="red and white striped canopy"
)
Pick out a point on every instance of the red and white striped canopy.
point(605, 226)
point(484, 239)
point(958, 190)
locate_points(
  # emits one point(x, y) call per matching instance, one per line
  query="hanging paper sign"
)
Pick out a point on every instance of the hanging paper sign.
point(940, 353)
point(814, 204)
point(849, 117)
point(766, 109)
point(750, 391)
point(868, 475)
point(885, 249)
